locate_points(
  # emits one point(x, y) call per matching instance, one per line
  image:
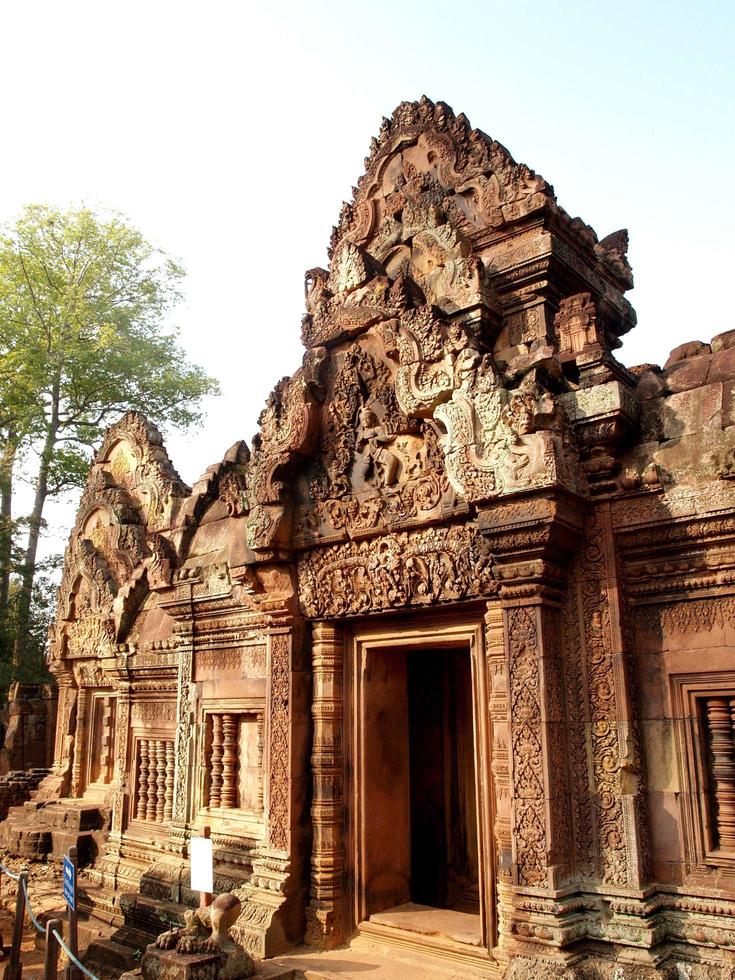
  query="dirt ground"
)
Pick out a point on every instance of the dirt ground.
point(44, 888)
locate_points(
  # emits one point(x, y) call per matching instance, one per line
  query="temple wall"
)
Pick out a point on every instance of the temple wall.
point(459, 463)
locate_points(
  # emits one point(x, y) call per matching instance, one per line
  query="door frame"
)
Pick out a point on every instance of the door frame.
point(435, 633)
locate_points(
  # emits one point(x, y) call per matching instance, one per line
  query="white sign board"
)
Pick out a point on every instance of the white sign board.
point(202, 874)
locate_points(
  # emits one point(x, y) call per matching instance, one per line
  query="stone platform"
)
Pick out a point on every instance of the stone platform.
point(37, 830)
point(18, 786)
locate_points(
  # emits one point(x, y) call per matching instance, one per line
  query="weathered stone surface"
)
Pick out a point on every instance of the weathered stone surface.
point(694, 348)
point(455, 634)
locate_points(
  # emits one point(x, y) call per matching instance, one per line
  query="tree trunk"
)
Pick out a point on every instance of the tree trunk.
point(7, 461)
point(28, 572)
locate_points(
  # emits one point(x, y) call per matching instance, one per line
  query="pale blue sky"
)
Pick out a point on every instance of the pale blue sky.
point(231, 132)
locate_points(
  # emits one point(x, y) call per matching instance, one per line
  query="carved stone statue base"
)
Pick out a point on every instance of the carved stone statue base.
point(160, 964)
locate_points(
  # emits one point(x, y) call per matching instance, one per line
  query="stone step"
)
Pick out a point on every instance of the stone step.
point(87, 843)
point(378, 960)
point(109, 958)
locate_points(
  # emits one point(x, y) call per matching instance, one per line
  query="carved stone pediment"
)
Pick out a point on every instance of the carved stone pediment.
point(426, 153)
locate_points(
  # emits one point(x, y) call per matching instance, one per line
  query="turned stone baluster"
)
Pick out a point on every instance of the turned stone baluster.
point(229, 760)
point(215, 785)
point(723, 768)
point(160, 779)
point(142, 779)
point(168, 806)
point(106, 748)
point(150, 803)
point(260, 721)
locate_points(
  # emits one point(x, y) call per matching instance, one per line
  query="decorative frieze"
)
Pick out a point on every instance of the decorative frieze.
point(439, 564)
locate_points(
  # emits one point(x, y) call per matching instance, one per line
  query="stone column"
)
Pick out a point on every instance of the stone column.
point(107, 746)
point(160, 779)
point(720, 726)
point(120, 764)
point(152, 787)
point(531, 541)
point(215, 784)
point(169, 791)
point(540, 790)
point(499, 715)
point(229, 761)
point(261, 747)
point(324, 914)
point(142, 781)
point(81, 743)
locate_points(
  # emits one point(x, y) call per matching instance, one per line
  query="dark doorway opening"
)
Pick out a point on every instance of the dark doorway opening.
point(418, 841)
point(444, 862)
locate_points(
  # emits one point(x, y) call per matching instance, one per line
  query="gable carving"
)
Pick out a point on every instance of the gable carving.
point(425, 153)
point(119, 547)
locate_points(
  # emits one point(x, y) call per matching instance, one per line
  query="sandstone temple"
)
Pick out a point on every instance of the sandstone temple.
point(446, 657)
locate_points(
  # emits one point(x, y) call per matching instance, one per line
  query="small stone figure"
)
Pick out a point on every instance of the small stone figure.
point(374, 444)
point(223, 958)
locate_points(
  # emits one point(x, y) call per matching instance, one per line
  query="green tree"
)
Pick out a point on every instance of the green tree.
point(82, 301)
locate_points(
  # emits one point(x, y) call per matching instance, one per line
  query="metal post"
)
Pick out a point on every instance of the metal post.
point(14, 968)
point(51, 953)
point(205, 898)
point(71, 972)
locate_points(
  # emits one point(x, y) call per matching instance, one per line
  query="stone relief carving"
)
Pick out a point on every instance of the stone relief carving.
point(442, 160)
point(528, 780)
point(689, 616)
point(576, 324)
point(413, 568)
point(279, 710)
point(153, 711)
point(407, 412)
point(605, 744)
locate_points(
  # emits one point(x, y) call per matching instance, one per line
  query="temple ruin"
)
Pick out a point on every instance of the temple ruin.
point(446, 658)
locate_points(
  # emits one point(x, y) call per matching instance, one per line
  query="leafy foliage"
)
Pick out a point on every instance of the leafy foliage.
point(82, 301)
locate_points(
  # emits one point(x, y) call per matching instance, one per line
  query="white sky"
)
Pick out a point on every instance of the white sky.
point(231, 132)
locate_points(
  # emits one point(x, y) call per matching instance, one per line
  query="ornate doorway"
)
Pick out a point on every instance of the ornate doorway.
point(417, 760)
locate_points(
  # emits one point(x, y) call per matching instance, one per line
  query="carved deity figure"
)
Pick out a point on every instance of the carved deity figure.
point(525, 447)
point(380, 463)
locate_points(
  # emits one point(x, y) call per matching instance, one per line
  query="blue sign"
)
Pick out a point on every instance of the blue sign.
point(70, 884)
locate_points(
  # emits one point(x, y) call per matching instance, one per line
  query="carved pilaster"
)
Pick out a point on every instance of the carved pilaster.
point(279, 754)
point(324, 915)
point(542, 837)
point(614, 749)
point(532, 540)
point(120, 740)
point(184, 723)
point(261, 746)
point(80, 742)
point(497, 684)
